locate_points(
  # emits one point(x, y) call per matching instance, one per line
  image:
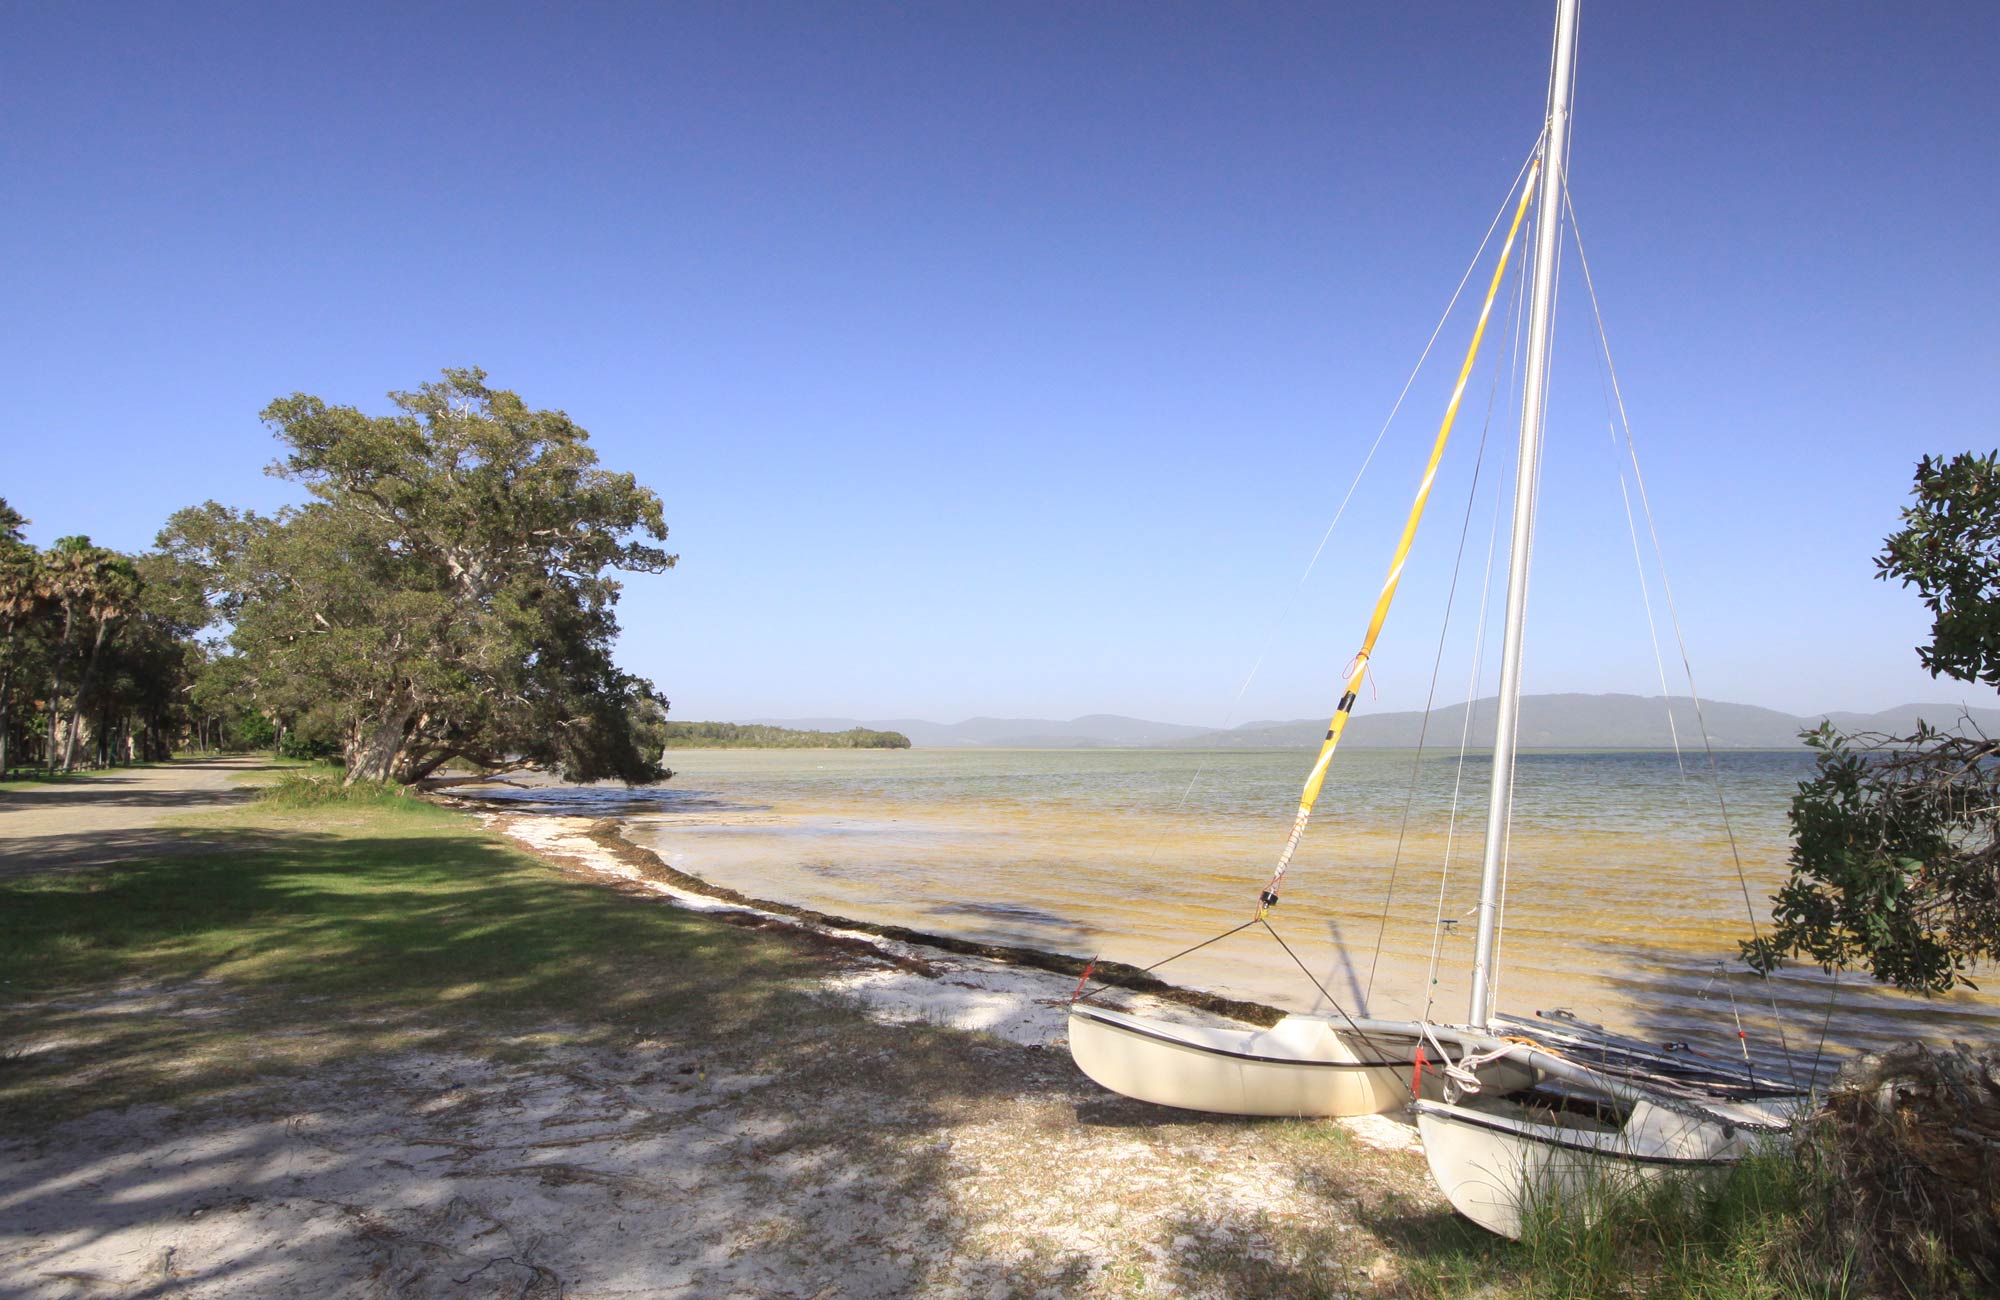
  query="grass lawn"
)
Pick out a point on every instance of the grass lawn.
point(337, 931)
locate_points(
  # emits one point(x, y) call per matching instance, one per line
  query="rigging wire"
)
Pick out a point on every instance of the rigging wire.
point(1680, 635)
point(1357, 668)
point(1291, 604)
point(1437, 661)
point(1081, 996)
point(1480, 626)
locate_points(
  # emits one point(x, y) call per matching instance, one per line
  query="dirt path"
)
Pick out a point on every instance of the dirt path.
point(112, 816)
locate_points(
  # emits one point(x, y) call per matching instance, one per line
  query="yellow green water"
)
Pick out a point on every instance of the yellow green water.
point(1623, 901)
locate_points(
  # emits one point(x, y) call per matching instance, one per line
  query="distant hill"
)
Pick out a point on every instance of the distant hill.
point(1573, 721)
point(1092, 731)
point(1547, 722)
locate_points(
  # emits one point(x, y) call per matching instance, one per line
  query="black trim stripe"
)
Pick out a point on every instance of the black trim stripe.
point(1460, 1116)
point(1236, 1056)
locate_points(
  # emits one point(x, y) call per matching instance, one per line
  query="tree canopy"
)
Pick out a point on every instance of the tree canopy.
point(95, 651)
point(1895, 863)
point(447, 594)
point(746, 735)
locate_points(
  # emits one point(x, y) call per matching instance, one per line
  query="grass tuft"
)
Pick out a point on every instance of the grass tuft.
point(1753, 1231)
point(318, 787)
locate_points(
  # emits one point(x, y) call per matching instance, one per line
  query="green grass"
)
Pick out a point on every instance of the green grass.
point(316, 786)
point(335, 931)
point(1753, 1231)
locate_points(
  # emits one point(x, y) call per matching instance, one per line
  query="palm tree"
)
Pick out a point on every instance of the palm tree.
point(71, 574)
point(106, 587)
point(20, 601)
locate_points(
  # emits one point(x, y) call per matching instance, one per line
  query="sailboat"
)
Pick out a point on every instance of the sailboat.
point(1509, 1109)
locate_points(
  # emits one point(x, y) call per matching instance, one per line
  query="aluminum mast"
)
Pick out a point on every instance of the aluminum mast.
point(1541, 310)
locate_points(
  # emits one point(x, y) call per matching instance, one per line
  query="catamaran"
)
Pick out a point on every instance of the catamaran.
point(1509, 1109)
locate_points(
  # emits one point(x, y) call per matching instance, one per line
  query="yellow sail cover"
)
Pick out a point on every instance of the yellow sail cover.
point(1358, 669)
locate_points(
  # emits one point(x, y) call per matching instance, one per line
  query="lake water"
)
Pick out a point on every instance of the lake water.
point(1623, 901)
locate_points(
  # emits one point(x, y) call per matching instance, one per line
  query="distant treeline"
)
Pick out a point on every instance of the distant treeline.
point(738, 735)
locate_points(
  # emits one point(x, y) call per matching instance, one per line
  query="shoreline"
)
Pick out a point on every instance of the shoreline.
point(901, 976)
point(446, 1058)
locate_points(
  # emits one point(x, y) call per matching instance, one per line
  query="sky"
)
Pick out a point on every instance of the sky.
point(1012, 359)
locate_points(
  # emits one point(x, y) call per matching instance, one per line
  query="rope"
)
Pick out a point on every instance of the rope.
point(1680, 636)
point(1735, 1014)
point(1081, 996)
point(1330, 999)
point(1311, 563)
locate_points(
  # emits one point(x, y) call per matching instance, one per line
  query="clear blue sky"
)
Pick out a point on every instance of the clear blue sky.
point(1010, 359)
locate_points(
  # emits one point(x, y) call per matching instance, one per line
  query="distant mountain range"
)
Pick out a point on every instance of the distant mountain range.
point(1547, 722)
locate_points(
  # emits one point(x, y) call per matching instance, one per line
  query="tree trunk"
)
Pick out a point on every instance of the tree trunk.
point(83, 690)
point(6, 719)
point(55, 694)
point(372, 753)
point(7, 699)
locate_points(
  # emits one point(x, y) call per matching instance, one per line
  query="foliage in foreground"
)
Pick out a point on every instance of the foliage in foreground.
point(1895, 849)
point(320, 787)
point(1891, 1188)
point(1748, 1234)
point(1907, 1152)
point(1895, 863)
point(740, 735)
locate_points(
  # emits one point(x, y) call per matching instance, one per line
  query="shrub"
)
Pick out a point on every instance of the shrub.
point(311, 789)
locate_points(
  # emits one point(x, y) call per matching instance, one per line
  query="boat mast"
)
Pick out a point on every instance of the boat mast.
point(1541, 310)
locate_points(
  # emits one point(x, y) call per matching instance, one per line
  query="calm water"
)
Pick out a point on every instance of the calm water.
point(1623, 902)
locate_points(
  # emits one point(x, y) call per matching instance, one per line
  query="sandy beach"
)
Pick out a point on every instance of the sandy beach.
point(941, 1145)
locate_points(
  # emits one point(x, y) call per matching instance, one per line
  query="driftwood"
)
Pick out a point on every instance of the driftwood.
point(1911, 1141)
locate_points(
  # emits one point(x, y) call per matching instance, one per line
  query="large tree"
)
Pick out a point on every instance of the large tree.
point(23, 638)
point(94, 650)
point(447, 595)
point(1895, 863)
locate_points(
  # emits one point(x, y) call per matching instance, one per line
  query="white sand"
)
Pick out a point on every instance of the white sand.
point(644, 1171)
point(1020, 1004)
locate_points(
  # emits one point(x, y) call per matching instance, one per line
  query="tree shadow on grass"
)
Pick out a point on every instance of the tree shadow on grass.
point(425, 1064)
point(396, 1056)
point(359, 940)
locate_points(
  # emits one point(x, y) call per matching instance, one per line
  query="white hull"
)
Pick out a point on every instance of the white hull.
point(1300, 1066)
point(1493, 1157)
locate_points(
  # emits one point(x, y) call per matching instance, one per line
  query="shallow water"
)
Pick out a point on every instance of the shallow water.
point(1624, 902)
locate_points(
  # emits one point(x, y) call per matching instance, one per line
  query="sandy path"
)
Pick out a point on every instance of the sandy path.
point(111, 816)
